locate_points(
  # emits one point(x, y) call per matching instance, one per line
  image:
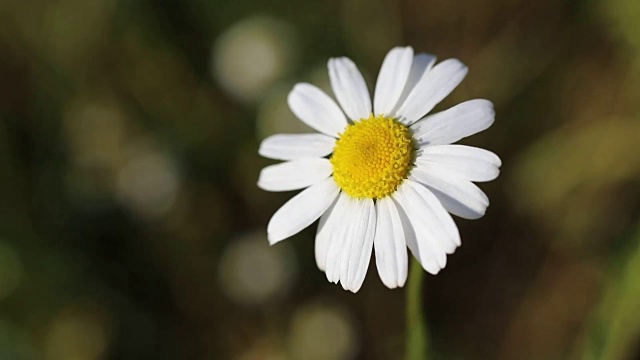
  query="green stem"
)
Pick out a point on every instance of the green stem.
point(417, 337)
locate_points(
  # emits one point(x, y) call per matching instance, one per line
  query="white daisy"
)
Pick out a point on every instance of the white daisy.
point(383, 177)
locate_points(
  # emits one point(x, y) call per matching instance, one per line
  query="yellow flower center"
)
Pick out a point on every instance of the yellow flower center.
point(372, 157)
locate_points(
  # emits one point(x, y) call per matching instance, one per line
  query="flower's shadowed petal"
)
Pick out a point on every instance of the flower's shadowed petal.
point(431, 89)
point(460, 197)
point(316, 109)
point(296, 146)
point(294, 174)
point(302, 210)
point(392, 79)
point(350, 88)
point(390, 246)
point(449, 126)
point(465, 162)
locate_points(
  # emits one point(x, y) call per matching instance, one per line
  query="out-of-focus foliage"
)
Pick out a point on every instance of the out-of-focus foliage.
point(595, 162)
point(131, 226)
point(616, 328)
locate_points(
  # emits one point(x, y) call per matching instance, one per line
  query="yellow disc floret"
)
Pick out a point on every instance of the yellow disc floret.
point(372, 157)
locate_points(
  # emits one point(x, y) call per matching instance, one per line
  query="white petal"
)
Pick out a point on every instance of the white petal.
point(295, 174)
point(326, 224)
point(429, 233)
point(336, 243)
point(430, 220)
point(432, 224)
point(425, 252)
point(421, 65)
point(362, 246)
point(392, 79)
point(390, 246)
point(351, 242)
point(316, 109)
point(349, 87)
point(296, 146)
point(302, 210)
point(431, 89)
point(451, 125)
point(439, 221)
point(466, 162)
point(460, 197)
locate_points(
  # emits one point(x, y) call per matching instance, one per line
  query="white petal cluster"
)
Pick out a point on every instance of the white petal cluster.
point(417, 216)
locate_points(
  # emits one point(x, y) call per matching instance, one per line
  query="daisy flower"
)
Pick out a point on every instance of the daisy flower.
point(381, 175)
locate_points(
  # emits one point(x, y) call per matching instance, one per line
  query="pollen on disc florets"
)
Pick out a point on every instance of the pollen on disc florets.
point(372, 157)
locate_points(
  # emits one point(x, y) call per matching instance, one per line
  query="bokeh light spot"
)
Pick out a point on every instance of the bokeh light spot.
point(323, 332)
point(252, 55)
point(253, 273)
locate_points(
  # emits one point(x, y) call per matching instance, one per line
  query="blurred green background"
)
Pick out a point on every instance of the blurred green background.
point(131, 226)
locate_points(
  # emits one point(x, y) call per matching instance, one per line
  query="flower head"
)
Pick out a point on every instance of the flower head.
point(383, 177)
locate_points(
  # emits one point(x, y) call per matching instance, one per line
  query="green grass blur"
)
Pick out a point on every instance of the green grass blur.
point(131, 226)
